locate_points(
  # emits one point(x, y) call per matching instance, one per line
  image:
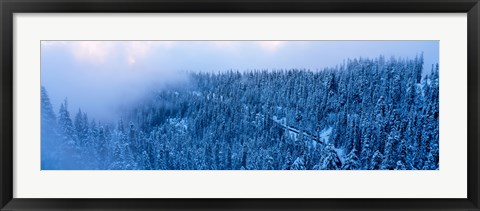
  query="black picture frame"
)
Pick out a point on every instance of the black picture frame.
point(9, 7)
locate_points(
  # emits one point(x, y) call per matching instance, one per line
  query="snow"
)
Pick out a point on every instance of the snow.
point(197, 93)
point(280, 121)
point(215, 125)
point(341, 154)
point(325, 134)
point(178, 123)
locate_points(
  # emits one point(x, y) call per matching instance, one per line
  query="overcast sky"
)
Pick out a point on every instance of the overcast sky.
point(100, 76)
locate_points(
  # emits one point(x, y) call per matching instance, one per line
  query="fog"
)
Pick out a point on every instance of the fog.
point(101, 77)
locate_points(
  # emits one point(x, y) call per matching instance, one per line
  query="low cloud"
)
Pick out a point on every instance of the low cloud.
point(102, 76)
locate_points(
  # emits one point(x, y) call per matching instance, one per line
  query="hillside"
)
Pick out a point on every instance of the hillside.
point(367, 114)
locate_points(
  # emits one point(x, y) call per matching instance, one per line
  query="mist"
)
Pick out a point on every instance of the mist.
point(102, 77)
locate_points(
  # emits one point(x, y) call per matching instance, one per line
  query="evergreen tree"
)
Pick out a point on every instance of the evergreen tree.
point(377, 160)
point(380, 111)
point(65, 123)
point(48, 115)
point(351, 161)
point(400, 166)
point(49, 144)
point(331, 160)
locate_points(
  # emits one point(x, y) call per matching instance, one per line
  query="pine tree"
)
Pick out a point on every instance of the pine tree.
point(48, 115)
point(49, 138)
point(298, 164)
point(366, 153)
point(331, 161)
point(378, 110)
point(65, 123)
point(390, 154)
point(400, 166)
point(81, 127)
point(351, 161)
point(377, 160)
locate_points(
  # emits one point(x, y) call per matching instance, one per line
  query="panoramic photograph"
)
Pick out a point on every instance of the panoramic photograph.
point(240, 105)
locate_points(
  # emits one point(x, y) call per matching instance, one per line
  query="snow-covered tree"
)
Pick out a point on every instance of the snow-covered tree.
point(384, 112)
point(331, 161)
point(351, 161)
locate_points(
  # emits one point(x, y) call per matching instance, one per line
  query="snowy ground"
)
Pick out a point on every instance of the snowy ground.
point(341, 154)
point(325, 135)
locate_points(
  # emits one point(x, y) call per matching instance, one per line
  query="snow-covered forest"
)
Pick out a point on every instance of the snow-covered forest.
point(366, 114)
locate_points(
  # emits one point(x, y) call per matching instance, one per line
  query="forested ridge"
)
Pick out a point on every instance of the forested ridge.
point(366, 114)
